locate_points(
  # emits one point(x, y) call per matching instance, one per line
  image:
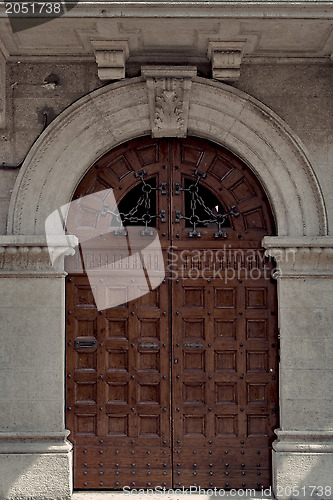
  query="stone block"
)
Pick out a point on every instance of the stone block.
point(32, 352)
point(43, 293)
point(32, 385)
point(310, 352)
point(313, 384)
point(27, 323)
point(306, 294)
point(32, 416)
point(302, 475)
point(298, 323)
point(306, 414)
point(46, 476)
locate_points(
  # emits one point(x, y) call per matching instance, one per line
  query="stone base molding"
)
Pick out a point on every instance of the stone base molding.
point(303, 465)
point(34, 442)
point(304, 441)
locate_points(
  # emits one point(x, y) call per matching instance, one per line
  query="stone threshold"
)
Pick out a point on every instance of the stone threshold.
point(119, 495)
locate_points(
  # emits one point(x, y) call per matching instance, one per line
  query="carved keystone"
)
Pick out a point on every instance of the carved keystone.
point(111, 57)
point(226, 59)
point(169, 94)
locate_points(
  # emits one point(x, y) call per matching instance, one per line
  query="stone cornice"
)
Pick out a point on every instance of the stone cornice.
point(199, 8)
point(301, 257)
point(31, 255)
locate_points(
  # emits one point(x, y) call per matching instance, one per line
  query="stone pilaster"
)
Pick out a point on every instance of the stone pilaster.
point(303, 450)
point(35, 456)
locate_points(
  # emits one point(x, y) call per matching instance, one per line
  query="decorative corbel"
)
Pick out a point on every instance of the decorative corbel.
point(226, 58)
point(169, 96)
point(111, 56)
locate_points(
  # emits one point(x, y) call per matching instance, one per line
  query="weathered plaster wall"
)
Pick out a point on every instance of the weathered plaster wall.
point(28, 97)
point(299, 94)
point(302, 95)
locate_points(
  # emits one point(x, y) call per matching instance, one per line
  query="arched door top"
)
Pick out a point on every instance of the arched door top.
point(119, 112)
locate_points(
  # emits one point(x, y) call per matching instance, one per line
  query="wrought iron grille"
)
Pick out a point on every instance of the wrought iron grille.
point(196, 200)
point(144, 201)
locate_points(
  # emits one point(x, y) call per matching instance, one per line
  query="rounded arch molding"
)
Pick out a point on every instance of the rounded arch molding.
point(119, 112)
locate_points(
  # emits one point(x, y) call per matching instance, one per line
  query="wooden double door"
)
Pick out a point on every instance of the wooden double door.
point(179, 386)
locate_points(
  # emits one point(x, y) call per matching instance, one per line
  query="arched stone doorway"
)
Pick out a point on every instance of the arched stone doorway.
point(177, 387)
point(63, 154)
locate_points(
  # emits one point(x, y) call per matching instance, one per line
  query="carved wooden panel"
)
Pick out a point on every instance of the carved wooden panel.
point(177, 387)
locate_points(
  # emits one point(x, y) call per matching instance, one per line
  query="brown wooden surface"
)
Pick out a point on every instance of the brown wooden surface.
point(200, 407)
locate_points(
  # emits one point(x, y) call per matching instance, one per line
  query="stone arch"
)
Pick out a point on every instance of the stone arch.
point(119, 112)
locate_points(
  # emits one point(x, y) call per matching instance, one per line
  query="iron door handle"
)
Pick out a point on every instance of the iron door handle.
point(149, 345)
point(194, 344)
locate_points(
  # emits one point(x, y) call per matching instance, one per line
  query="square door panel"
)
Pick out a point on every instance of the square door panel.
point(256, 329)
point(225, 361)
point(148, 154)
point(257, 393)
point(84, 296)
point(225, 298)
point(242, 190)
point(117, 296)
point(149, 328)
point(225, 329)
point(85, 424)
point(225, 393)
point(118, 392)
point(194, 361)
point(226, 425)
point(257, 361)
point(117, 328)
point(120, 167)
point(254, 219)
point(194, 393)
point(149, 298)
point(118, 360)
point(117, 425)
point(85, 327)
point(194, 328)
point(256, 297)
point(149, 361)
point(149, 393)
point(194, 426)
point(86, 393)
point(221, 168)
point(86, 360)
point(149, 426)
point(257, 425)
point(193, 296)
point(191, 155)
